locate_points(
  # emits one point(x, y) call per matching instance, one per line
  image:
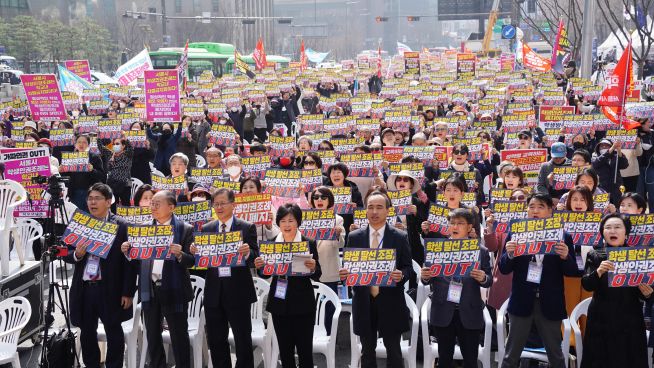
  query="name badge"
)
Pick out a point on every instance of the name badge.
point(454, 292)
point(580, 263)
point(280, 289)
point(92, 265)
point(534, 272)
point(224, 272)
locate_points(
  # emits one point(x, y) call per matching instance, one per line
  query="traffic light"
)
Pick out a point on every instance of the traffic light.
point(381, 19)
point(412, 18)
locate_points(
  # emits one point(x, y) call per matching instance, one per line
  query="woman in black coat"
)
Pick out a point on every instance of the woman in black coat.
point(291, 300)
point(337, 177)
point(80, 182)
point(615, 330)
point(604, 161)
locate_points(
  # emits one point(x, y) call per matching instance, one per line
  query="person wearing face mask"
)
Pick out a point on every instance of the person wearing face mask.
point(607, 156)
point(141, 158)
point(260, 123)
point(166, 144)
point(615, 328)
point(236, 115)
point(233, 168)
point(558, 158)
point(188, 142)
point(646, 162)
point(80, 182)
point(119, 168)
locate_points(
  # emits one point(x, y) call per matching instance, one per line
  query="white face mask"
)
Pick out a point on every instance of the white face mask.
point(122, 105)
point(603, 151)
point(197, 199)
point(646, 146)
point(233, 171)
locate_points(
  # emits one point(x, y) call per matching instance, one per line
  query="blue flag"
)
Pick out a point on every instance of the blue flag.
point(71, 82)
point(641, 19)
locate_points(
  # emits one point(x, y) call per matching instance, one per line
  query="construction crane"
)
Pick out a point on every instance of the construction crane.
point(492, 18)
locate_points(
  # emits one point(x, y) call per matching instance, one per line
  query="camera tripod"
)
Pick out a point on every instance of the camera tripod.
point(52, 255)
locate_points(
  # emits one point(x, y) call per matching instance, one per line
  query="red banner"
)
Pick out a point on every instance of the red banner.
point(533, 61)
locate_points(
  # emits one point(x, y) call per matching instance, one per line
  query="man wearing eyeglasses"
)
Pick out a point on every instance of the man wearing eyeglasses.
point(228, 291)
point(102, 288)
point(165, 286)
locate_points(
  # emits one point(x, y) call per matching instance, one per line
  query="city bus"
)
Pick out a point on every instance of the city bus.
point(201, 56)
point(278, 61)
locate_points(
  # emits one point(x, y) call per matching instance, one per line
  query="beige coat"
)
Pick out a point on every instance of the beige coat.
point(632, 156)
point(330, 261)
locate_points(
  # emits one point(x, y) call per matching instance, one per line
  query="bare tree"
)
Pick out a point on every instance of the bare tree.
point(638, 11)
point(570, 11)
point(131, 38)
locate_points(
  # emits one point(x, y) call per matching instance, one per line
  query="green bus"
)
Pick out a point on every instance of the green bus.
point(279, 61)
point(201, 56)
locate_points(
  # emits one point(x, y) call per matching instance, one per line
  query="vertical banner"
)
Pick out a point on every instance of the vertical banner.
point(162, 95)
point(21, 165)
point(44, 97)
point(80, 68)
point(465, 65)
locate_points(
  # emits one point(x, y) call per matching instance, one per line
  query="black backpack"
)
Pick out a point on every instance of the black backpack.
point(61, 350)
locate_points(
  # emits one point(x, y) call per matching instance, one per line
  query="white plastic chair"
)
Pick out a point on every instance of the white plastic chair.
point(200, 161)
point(131, 330)
point(502, 333)
point(259, 340)
point(431, 348)
point(15, 312)
point(322, 343)
point(136, 183)
point(25, 232)
point(195, 325)
point(409, 347)
point(12, 194)
point(580, 310)
point(422, 290)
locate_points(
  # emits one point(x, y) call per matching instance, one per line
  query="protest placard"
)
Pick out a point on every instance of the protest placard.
point(401, 201)
point(417, 169)
point(369, 267)
point(450, 257)
point(162, 95)
point(224, 183)
point(21, 165)
point(346, 145)
point(361, 164)
point(627, 137)
point(565, 177)
point(311, 179)
point(135, 215)
point(319, 224)
point(218, 249)
point(437, 218)
point(601, 202)
point(150, 241)
point(311, 123)
point(175, 184)
point(536, 236)
point(79, 67)
point(360, 217)
point(412, 62)
point(110, 129)
point(424, 154)
point(343, 204)
point(582, 226)
point(254, 208)
point(281, 146)
point(633, 266)
point(529, 160)
point(283, 183)
point(465, 65)
point(62, 137)
point(96, 235)
point(255, 165)
point(87, 124)
point(642, 230)
point(75, 162)
point(278, 257)
point(44, 97)
point(505, 211)
point(206, 177)
point(136, 138)
point(194, 212)
point(223, 135)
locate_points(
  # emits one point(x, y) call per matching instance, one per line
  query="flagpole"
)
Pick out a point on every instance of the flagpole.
point(624, 96)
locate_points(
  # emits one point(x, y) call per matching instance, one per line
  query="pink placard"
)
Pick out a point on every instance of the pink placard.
point(21, 165)
point(79, 67)
point(162, 95)
point(44, 97)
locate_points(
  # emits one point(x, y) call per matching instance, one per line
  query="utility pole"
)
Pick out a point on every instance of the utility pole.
point(163, 23)
point(587, 39)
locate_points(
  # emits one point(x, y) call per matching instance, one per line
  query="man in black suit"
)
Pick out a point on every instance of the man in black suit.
point(537, 293)
point(374, 309)
point(165, 286)
point(102, 287)
point(229, 292)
